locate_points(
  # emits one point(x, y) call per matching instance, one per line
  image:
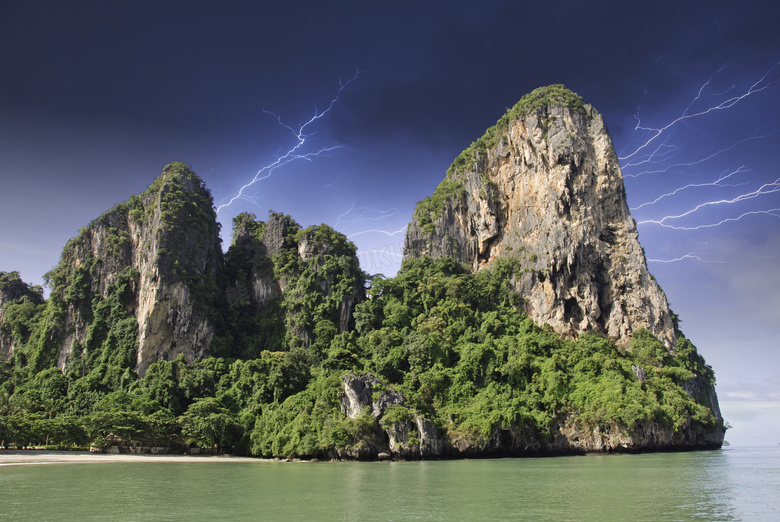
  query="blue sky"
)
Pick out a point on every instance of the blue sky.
point(95, 97)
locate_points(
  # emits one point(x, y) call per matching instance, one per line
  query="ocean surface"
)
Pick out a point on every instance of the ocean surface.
point(730, 484)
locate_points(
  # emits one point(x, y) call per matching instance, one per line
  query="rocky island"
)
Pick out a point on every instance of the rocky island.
point(523, 321)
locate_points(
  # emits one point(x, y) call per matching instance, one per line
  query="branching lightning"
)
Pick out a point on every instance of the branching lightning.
point(716, 183)
point(658, 155)
point(387, 254)
point(745, 191)
point(775, 212)
point(296, 152)
point(654, 158)
point(375, 254)
point(767, 188)
point(756, 87)
point(365, 214)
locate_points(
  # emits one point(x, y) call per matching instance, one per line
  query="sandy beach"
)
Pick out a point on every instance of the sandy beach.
point(23, 457)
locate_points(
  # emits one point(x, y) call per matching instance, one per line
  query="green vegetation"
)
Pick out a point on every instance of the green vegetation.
point(453, 343)
point(429, 208)
point(292, 315)
point(308, 314)
point(23, 305)
point(543, 97)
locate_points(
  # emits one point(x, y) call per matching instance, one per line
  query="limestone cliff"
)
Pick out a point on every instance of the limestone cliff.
point(250, 260)
point(438, 362)
point(289, 286)
point(147, 281)
point(165, 248)
point(544, 187)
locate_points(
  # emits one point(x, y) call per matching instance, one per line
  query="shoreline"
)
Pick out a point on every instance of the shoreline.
point(35, 456)
point(28, 457)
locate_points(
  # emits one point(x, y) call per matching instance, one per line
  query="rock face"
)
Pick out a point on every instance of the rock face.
point(167, 241)
point(648, 436)
point(252, 256)
point(544, 187)
point(402, 433)
point(541, 194)
point(272, 265)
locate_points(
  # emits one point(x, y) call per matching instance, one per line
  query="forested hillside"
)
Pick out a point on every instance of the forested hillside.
point(523, 321)
point(450, 342)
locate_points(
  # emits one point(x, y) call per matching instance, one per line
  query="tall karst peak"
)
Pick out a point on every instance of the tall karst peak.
point(148, 265)
point(543, 187)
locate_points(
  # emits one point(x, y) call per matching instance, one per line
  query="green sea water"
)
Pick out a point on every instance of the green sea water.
point(731, 484)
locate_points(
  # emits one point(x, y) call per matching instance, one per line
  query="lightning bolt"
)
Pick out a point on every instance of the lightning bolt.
point(767, 188)
point(383, 214)
point(382, 257)
point(368, 214)
point(254, 200)
point(372, 257)
point(657, 155)
point(652, 157)
point(376, 231)
point(716, 183)
point(660, 151)
point(296, 152)
point(756, 87)
point(775, 212)
point(693, 255)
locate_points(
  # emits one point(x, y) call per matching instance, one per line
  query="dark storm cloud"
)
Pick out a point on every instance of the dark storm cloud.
point(459, 75)
point(142, 62)
point(449, 68)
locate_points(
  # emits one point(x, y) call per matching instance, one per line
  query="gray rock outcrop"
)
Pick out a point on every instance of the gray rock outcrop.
point(405, 435)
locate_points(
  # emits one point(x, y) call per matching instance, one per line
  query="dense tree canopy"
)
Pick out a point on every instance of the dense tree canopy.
point(453, 343)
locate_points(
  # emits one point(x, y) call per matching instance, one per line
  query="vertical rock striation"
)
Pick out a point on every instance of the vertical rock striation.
point(147, 281)
point(544, 187)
